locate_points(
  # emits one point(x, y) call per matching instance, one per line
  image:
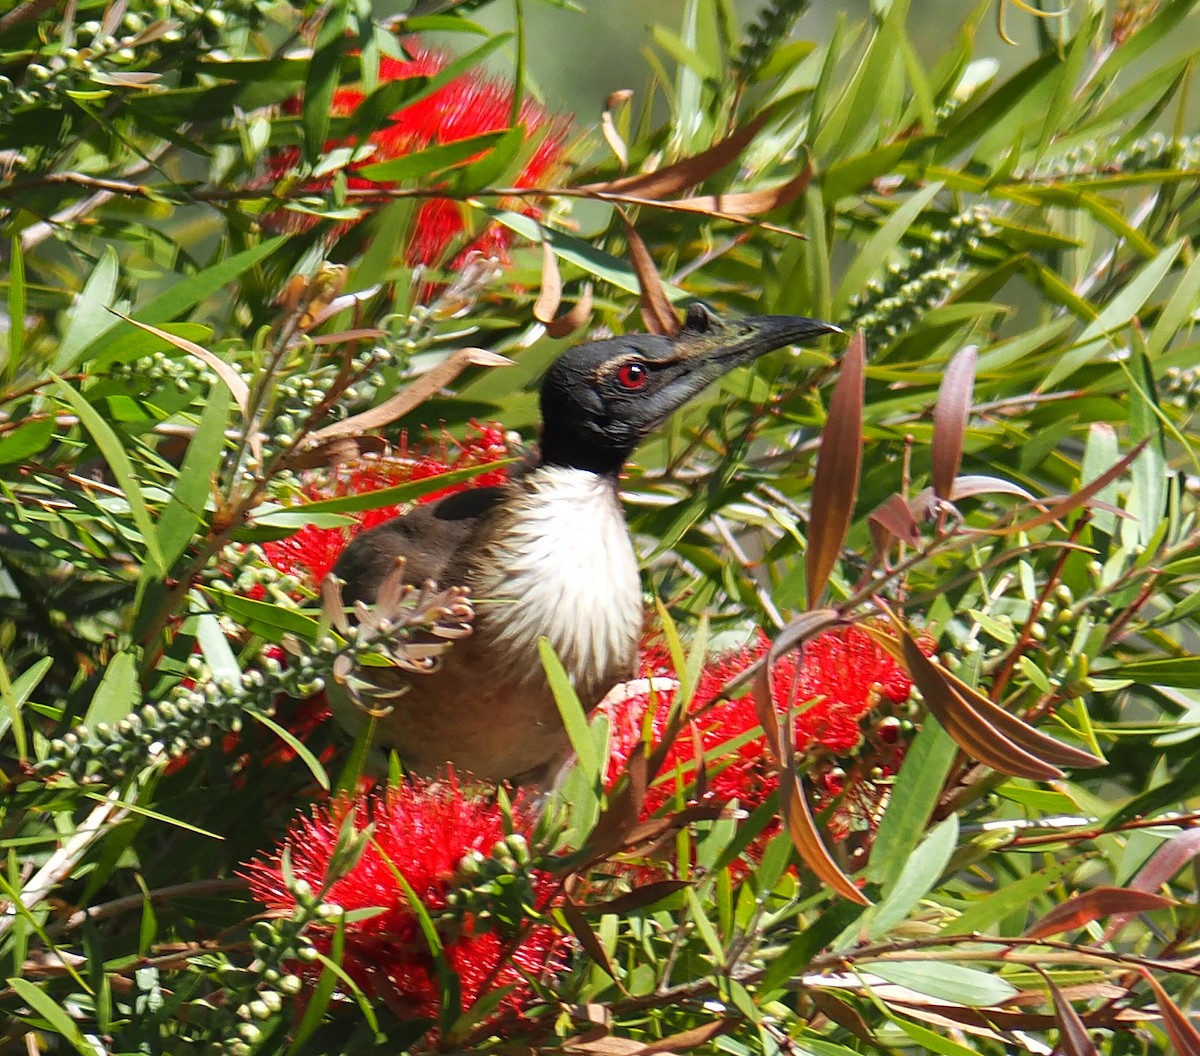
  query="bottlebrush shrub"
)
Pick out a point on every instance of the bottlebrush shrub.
point(440, 838)
point(467, 106)
point(851, 700)
point(311, 552)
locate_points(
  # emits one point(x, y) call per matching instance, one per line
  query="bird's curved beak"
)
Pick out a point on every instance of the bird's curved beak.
point(720, 345)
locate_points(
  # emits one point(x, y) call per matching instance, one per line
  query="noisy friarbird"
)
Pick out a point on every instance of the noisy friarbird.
point(547, 554)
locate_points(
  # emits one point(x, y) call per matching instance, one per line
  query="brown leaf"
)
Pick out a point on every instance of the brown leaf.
point(550, 296)
point(971, 733)
point(1082, 909)
point(1163, 864)
point(739, 206)
point(657, 313)
point(844, 1015)
point(686, 1040)
point(1183, 1034)
point(1073, 1038)
point(609, 127)
point(413, 395)
point(638, 898)
point(687, 172)
point(793, 802)
point(582, 931)
point(835, 483)
point(236, 384)
point(575, 317)
point(892, 519)
point(950, 415)
point(1064, 506)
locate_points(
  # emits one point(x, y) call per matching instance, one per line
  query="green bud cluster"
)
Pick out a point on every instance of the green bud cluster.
point(496, 889)
point(1181, 387)
point(1155, 153)
point(889, 306)
point(184, 372)
point(767, 32)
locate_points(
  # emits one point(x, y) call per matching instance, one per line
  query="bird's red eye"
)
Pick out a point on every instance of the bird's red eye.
point(632, 375)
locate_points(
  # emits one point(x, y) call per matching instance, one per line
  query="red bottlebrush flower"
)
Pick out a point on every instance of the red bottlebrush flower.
point(470, 105)
point(842, 678)
point(311, 552)
point(423, 830)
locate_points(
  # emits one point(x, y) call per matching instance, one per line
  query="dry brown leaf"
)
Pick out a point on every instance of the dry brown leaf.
point(657, 313)
point(638, 898)
point(672, 179)
point(744, 204)
point(582, 931)
point(686, 1040)
point(1073, 1038)
point(574, 318)
point(1182, 1032)
point(892, 519)
point(839, 462)
point(236, 384)
point(950, 415)
point(413, 395)
point(1082, 909)
point(1162, 865)
point(608, 126)
point(550, 296)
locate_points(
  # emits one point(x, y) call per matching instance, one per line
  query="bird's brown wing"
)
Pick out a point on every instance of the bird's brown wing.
point(434, 540)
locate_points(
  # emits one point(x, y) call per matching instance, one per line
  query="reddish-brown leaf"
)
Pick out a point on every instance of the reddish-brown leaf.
point(1073, 1038)
point(582, 931)
point(950, 415)
point(550, 295)
point(1163, 864)
point(892, 519)
point(971, 733)
point(1182, 1032)
point(1082, 909)
point(686, 1040)
point(638, 898)
point(687, 172)
point(1079, 498)
point(844, 1015)
point(575, 317)
point(413, 395)
point(739, 206)
point(657, 313)
point(839, 462)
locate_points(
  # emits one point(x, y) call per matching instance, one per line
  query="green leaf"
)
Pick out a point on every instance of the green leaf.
point(1009, 897)
point(432, 159)
point(916, 879)
point(56, 1018)
point(1178, 672)
point(216, 650)
point(1116, 315)
point(16, 306)
point(910, 806)
point(265, 618)
point(114, 454)
point(26, 439)
point(118, 692)
point(321, 81)
point(185, 510)
point(1179, 310)
point(90, 318)
point(949, 982)
point(573, 716)
point(297, 746)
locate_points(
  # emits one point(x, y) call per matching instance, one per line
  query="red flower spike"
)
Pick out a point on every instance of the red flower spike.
point(842, 678)
point(423, 830)
point(470, 105)
point(311, 553)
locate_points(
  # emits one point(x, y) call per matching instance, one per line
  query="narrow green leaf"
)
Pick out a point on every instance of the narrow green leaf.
point(432, 159)
point(948, 982)
point(1180, 309)
point(90, 318)
point(573, 716)
point(118, 692)
point(114, 454)
point(264, 618)
point(216, 650)
point(54, 1015)
point(297, 746)
point(910, 806)
point(1009, 897)
point(16, 306)
point(26, 440)
point(916, 879)
point(321, 81)
point(185, 510)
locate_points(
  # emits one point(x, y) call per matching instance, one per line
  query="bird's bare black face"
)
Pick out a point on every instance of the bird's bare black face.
point(602, 398)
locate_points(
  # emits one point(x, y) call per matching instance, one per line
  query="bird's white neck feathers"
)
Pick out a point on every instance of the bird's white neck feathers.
point(558, 563)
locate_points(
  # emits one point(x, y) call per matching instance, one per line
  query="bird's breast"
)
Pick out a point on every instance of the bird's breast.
point(558, 563)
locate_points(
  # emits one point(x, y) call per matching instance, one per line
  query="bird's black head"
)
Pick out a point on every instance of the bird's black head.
point(601, 399)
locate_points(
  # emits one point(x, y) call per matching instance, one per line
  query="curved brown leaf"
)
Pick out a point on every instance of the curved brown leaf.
point(582, 931)
point(575, 317)
point(686, 1040)
point(839, 462)
point(609, 127)
point(892, 519)
point(638, 898)
point(1183, 1034)
point(1073, 1038)
point(686, 172)
point(1162, 865)
point(413, 395)
point(1082, 909)
point(657, 313)
point(950, 415)
point(550, 295)
point(793, 803)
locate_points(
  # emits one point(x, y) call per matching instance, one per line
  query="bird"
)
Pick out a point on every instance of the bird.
point(547, 554)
